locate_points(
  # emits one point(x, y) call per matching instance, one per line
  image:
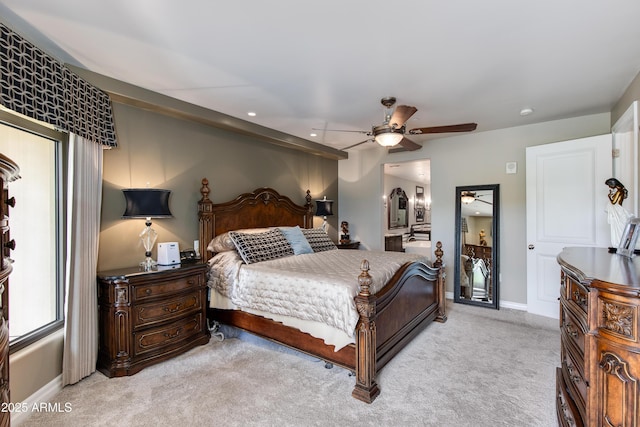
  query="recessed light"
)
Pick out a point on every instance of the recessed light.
point(251, 114)
point(526, 111)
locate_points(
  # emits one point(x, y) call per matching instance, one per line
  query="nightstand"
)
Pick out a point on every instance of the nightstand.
point(349, 245)
point(146, 317)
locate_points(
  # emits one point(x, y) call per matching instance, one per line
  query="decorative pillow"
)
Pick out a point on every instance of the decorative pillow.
point(258, 247)
point(318, 239)
point(297, 240)
point(223, 243)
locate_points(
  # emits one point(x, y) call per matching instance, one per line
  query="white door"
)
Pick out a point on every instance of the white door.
point(566, 206)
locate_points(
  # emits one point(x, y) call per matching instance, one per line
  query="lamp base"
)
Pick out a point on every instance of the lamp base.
point(148, 264)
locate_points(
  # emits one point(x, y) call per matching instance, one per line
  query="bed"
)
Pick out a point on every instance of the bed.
point(389, 315)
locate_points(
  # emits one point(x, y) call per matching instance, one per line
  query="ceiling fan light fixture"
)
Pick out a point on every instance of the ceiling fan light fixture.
point(388, 136)
point(467, 198)
point(389, 139)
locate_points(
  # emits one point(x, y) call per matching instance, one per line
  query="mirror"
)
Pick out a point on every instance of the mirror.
point(477, 241)
point(397, 211)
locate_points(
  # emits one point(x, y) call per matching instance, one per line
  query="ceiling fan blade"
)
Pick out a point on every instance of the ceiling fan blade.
point(410, 145)
point(355, 145)
point(463, 127)
point(342, 130)
point(405, 145)
point(401, 114)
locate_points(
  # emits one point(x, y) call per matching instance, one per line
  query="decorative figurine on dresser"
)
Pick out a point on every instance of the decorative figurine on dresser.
point(9, 172)
point(598, 382)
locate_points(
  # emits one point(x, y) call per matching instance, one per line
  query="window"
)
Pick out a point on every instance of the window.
point(35, 290)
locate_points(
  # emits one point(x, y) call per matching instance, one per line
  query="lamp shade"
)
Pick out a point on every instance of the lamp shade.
point(324, 207)
point(146, 203)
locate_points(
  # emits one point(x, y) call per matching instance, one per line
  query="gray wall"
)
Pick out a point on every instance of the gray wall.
point(469, 159)
point(175, 154)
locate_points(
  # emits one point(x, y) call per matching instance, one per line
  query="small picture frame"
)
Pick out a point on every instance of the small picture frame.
point(629, 237)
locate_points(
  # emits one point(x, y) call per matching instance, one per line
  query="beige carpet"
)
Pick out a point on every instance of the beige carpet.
point(481, 368)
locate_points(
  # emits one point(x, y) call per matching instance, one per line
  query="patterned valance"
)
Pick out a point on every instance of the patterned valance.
point(36, 85)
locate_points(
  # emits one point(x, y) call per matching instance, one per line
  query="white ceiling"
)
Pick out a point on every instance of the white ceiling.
point(301, 65)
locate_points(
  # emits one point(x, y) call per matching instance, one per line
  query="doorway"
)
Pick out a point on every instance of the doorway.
point(407, 205)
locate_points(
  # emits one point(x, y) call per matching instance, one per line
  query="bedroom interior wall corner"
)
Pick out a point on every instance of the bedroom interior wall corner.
point(479, 158)
point(176, 154)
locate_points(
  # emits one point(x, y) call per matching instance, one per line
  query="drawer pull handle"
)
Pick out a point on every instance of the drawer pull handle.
point(148, 291)
point(191, 281)
point(168, 335)
point(571, 330)
point(11, 202)
point(579, 298)
point(11, 244)
point(174, 309)
point(575, 378)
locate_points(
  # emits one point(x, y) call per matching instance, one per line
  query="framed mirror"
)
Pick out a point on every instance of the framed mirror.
point(419, 204)
point(477, 245)
point(397, 209)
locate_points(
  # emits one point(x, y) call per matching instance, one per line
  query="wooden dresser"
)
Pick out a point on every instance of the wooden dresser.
point(598, 383)
point(483, 252)
point(9, 171)
point(147, 317)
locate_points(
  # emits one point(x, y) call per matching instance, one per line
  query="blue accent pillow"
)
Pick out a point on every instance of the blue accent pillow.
point(297, 240)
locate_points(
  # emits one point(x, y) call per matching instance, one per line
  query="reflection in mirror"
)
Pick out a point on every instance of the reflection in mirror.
point(477, 256)
point(397, 211)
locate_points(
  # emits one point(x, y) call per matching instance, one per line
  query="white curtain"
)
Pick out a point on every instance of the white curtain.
point(84, 196)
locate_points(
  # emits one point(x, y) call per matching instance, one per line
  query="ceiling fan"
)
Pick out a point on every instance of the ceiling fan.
point(468, 197)
point(393, 130)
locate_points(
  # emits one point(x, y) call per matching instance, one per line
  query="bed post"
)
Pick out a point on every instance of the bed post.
point(205, 209)
point(442, 314)
point(366, 388)
point(308, 219)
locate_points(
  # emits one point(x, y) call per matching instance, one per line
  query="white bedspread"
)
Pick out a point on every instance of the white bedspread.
point(318, 287)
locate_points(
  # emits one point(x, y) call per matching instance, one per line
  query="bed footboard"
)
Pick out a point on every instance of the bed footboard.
point(392, 317)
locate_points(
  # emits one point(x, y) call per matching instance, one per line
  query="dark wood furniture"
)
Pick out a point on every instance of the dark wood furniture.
point(477, 251)
point(147, 317)
point(352, 244)
point(598, 383)
point(393, 243)
point(388, 320)
point(9, 172)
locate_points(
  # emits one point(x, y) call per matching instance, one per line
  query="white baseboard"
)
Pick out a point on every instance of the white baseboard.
point(503, 303)
point(45, 394)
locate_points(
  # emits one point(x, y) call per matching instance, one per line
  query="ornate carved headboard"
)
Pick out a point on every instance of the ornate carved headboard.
point(264, 207)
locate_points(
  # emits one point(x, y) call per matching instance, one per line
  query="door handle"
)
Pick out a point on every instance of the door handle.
point(531, 247)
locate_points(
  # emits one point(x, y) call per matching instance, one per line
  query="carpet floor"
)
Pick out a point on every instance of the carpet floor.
point(481, 368)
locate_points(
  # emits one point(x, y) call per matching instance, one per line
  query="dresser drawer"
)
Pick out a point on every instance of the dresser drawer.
point(572, 329)
point(161, 337)
point(565, 407)
point(577, 294)
point(165, 310)
point(573, 374)
point(145, 291)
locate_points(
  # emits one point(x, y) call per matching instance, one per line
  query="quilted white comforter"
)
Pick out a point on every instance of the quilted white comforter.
point(318, 287)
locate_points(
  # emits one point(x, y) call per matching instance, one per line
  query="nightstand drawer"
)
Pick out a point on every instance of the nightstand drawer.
point(144, 291)
point(174, 308)
point(162, 337)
